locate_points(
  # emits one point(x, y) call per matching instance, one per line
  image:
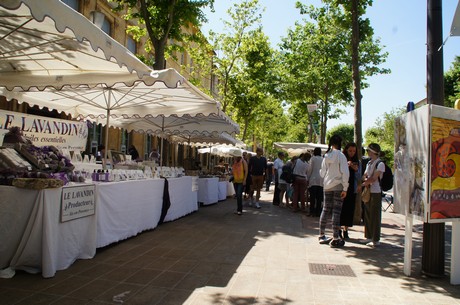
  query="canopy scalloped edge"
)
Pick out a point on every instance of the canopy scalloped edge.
point(65, 17)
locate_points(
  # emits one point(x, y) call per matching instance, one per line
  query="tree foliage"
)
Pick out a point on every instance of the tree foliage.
point(346, 131)
point(244, 17)
point(452, 83)
point(314, 69)
point(162, 21)
point(383, 133)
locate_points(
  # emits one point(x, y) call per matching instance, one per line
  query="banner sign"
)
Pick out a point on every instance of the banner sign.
point(44, 131)
point(77, 202)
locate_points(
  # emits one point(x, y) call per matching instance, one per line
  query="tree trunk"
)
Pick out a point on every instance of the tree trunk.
point(358, 136)
point(160, 62)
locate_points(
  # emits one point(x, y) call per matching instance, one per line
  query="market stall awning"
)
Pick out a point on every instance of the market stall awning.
point(222, 150)
point(202, 140)
point(295, 149)
point(46, 43)
point(455, 27)
point(147, 106)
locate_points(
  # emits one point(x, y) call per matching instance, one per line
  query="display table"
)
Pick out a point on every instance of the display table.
point(127, 208)
point(32, 236)
point(208, 190)
point(183, 199)
point(222, 190)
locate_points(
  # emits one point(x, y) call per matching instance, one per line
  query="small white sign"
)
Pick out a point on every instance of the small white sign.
point(312, 107)
point(77, 202)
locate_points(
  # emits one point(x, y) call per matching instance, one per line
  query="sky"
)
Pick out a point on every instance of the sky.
point(401, 27)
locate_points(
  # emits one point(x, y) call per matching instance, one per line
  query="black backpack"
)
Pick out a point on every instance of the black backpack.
point(386, 183)
point(286, 173)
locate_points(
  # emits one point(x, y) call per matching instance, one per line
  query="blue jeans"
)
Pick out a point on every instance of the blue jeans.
point(239, 196)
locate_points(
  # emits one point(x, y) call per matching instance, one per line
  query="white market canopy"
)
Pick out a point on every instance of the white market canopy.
point(148, 106)
point(38, 60)
point(208, 140)
point(455, 27)
point(295, 149)
point(46, 43)
point(222, 150)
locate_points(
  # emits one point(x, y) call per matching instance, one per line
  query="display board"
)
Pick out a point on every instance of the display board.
point(427, 164)
point(444, 201)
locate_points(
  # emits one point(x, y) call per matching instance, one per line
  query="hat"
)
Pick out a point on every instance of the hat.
point(375, 148)
point(237, 153)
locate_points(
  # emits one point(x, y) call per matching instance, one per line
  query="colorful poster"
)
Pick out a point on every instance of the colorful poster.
point(445, 164)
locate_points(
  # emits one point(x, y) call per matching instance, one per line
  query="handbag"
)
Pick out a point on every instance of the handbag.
point(366, 194)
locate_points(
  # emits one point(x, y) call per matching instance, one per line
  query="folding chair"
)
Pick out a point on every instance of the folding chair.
point(387, 202)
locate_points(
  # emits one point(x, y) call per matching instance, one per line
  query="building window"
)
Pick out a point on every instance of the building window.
point(131, 45)
point(75, 4)
point(101, 22)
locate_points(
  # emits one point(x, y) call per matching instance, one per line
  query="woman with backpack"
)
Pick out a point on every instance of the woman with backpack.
point(373, 209)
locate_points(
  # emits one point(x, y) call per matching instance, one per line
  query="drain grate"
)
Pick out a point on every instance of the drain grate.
point(331, 269)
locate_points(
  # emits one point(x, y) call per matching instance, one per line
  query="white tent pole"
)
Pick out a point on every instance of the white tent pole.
point(106, 150)
point(162, 143)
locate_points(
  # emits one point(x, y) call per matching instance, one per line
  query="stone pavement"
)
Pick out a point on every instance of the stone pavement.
point(266, 256)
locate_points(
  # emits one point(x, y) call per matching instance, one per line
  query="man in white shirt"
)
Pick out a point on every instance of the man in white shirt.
point(277, 167)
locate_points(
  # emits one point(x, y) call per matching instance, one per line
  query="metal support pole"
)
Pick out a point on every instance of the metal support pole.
point(433, 252)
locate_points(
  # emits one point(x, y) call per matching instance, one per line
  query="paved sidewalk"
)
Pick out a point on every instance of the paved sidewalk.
point(266, 256)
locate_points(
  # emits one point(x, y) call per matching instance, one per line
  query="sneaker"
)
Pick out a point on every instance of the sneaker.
point(257, 205)
point(337, 243)
point(373, 244)
point(239, 213)
point(324, 240)
point(365, 241)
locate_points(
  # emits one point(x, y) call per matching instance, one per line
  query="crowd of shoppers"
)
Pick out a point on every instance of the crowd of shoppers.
point(324, 186)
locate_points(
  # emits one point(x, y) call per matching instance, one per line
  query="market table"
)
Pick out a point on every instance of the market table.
point(127, 208)
point(183, 199)
point(34, 239)
point(208, 190)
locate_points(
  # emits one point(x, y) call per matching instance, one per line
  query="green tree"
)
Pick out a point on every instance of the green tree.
point(452, 83)
point(314, 70)
point(346, 131)
point(383, 133)
point(161, 21)
point(366, 54)
point(229, 54)
point(248, 86)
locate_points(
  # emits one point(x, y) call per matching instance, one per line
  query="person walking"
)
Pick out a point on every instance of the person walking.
point(269, 175)
point(315, 183)
point(373, 209)
point(349, 203)
point(277, 169)
point(334, 171)
point(257, 167)
point(300, 182)
point(240, 173)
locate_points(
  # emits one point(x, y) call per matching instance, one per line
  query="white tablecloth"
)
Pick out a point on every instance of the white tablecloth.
point(183, 200)
point(222, 195)
point(208, 190)
point(127, 208)
point(32, 236)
